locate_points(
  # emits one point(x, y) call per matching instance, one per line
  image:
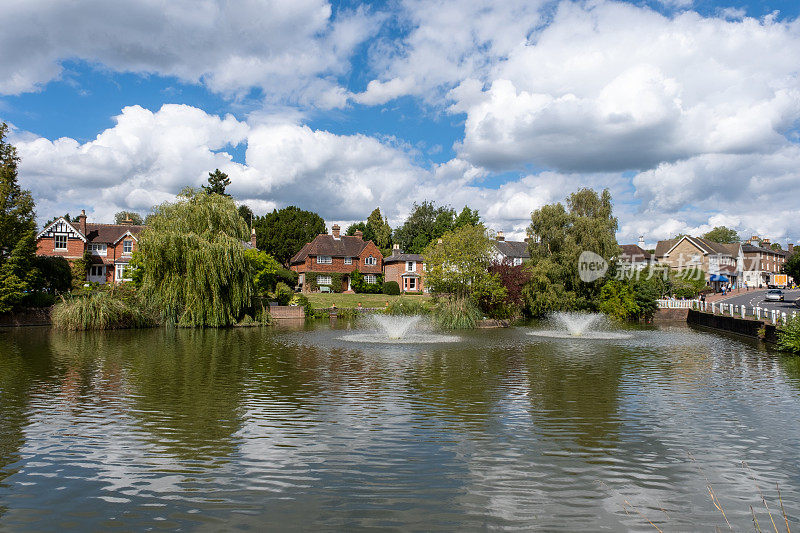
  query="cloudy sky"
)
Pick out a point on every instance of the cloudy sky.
point(687, 110)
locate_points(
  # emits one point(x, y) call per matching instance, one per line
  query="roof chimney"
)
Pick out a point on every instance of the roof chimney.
point(396, 247)
point(253, 237)
point(82, 222)
point(359, 234)
point(500, 236)
point(641, 242)
point(335, 231)
point(791, 248)
point(765, 243)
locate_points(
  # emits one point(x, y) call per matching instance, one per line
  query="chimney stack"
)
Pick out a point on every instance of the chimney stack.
point(791, 248)
point(253, 237)
point(765, 243)
point(82, 222)
point(501, 236)
point(359, 234)
point(335, 231)
point(641, 242)
point(396, 248)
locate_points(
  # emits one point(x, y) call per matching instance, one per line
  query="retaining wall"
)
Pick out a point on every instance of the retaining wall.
point(287, 312)
point(742, 326)
point(26, 317)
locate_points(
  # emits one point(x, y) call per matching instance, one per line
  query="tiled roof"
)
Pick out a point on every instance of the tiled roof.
point(704, 245)
point(664, 246)
point(749, 248)
point(633, 253)
point(401, 258)
point(108, 233)
point(325, 244)
point(513, 249)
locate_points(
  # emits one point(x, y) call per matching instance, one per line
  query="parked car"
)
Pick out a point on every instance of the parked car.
point(774, 295)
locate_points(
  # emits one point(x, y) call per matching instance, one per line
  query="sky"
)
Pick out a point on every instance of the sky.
point(686, 110)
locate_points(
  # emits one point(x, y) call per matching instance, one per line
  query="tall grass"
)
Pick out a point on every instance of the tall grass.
point(789, 336)
point(458, 313)
point(101, 310)
point(406, 306)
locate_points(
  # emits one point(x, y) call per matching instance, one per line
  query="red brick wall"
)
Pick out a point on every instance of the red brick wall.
point(372, 250)
point(338, 265)
point(46, 245)
point(394, 271)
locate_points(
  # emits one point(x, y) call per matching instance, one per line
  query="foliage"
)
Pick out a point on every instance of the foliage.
point(391, 288)
point(17, 217)
point(491, 297)
point(336, 281)
point(357, 226)
point(513, 278)
point(456, 313)
point(134, 217)
point(722, 234)
point(617, 300)
point(80, 269)
point(775, 246)
point(792, 266)
point(53, 219)
point(648, 287)
point(302, 301)
point(101, 310)
point(789, 336)
point(265, 269)
point(195, 267)
point(460, 262)
point(407, 306)
point(559, 236)
point(427, 223)
point(282, 233)
point(283, 293)
point(687, 283)
point(217, 181)
point(247, 214)
point(360, 286)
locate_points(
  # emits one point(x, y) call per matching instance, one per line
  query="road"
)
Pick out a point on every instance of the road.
point(755, 298)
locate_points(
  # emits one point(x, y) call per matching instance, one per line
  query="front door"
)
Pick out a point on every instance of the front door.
point(97, 274)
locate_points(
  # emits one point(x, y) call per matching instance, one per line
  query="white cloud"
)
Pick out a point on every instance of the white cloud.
point(290, 48)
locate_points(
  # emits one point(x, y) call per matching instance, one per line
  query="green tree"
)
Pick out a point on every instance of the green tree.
point(722, 235)
point(16, 204)
point(354, 227)
point(217, 181)
point(618, 300)
point(467, 217)
point(424, 225)
point(17, 275)
point(196, 270)
point(378, 230)
point(265, 269)
point(792, 266)
point(247, 214)
point(283, 232)
point(53, 219)
point(558, 237)
point(134, 217)
point(776, 246)
point(460, 262)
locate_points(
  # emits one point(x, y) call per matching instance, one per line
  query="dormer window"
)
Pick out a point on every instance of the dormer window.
point(127, 246)
point(348, 260)
point(324, 260)
point(370, 261)
point(98, 249)
point(60, 242)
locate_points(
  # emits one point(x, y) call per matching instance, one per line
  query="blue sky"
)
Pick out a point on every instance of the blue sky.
point(687, 111)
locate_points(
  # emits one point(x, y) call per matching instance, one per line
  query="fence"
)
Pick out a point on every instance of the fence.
point(773, 316)
point(675, 304)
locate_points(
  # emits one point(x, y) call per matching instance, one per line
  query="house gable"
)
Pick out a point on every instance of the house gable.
point(61, 227)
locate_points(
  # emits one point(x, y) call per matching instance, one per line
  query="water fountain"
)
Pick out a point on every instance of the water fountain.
point(398, 329)
point(579, 326)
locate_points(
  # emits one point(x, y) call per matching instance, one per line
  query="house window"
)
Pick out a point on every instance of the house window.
point(323, 280)
point(98, 249)
point(324, 260)
point(97, 271)
point(127, 247)
point(370, 261)
point(411, 284)
point(370, 278)
point(348, 260)
point(410, 266)
point(517, 261)
point(61, 242)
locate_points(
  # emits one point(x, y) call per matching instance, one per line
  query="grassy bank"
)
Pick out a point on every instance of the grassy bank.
point(324, 301)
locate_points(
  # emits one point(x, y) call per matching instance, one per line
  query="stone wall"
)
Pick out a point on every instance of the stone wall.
point(26, 317)
point(670, 315)
point(287, 312)
point(742, 326)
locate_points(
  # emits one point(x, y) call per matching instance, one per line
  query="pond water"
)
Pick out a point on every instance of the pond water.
point(302, 429)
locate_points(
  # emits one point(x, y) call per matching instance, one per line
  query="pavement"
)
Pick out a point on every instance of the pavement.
point(755, 298)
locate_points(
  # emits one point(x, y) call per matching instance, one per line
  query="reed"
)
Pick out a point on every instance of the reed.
point(406, 306)
point(101, 310)
point(457, 313)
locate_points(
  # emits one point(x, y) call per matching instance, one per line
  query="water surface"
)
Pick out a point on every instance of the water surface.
point(301, 429)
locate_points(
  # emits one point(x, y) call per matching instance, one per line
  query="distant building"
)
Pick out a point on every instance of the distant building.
point(721, 263)
point(111, 245)
point(761, 262)
point(512, 252)
point(634, 256)
point(408, 270)
point(336, 253)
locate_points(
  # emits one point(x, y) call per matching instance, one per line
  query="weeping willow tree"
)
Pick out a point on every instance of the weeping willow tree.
point(195, 267)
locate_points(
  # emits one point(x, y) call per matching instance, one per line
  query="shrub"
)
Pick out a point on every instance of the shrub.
point(789, 336)
point(302, 301)
point(38, 299)
point(283, 293)
point(101, 310)
point(458, 313)
point(406, 306)
point(360, 286)
point(391, 288)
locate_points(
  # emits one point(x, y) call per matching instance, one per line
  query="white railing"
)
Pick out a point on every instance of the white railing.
point(675, 304)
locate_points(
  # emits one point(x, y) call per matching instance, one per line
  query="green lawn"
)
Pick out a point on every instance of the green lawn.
point(324, 300)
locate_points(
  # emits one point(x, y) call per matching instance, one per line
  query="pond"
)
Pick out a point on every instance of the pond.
point(301, 428)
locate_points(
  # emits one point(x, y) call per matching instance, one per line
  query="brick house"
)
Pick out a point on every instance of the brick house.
point(408, 270)
point(761, 262)
point(111, 245)
point(722, 263)
point(336, 253)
